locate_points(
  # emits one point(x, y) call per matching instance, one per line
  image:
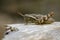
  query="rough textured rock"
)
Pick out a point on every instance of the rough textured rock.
point(35, 32)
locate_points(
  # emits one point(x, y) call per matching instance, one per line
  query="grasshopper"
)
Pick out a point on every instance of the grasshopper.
point(38, 18)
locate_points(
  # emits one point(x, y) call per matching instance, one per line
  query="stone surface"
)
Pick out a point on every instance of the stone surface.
point(35, 32)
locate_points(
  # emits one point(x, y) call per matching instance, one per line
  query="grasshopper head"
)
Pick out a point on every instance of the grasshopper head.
point(51, 14)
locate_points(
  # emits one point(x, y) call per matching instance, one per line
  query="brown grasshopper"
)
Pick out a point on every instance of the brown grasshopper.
point(38, 18)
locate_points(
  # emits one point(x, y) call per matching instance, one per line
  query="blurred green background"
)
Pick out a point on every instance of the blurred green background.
point(10, 7)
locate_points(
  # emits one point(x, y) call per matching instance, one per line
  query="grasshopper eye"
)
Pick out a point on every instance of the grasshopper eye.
point(52, 13)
